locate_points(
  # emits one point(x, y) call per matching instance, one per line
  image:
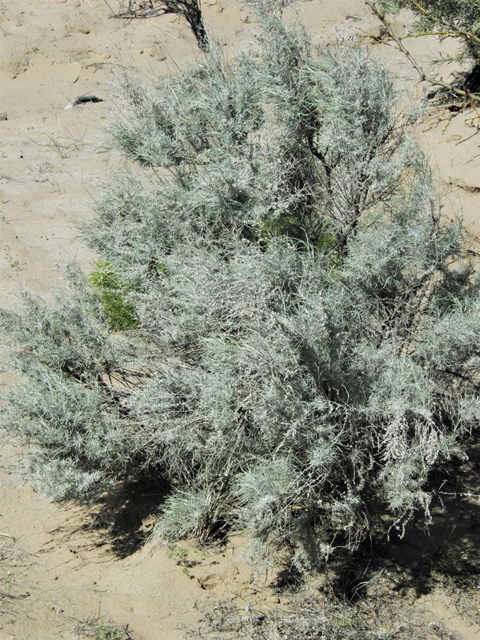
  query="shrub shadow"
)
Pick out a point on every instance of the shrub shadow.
point(466, 81)
point(127, 515)
point(122, 521)
point(444, 552)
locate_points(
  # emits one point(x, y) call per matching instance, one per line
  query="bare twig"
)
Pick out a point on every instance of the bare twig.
point(5, 535)
point(386, 24)
point(468, 137)
point(451, 25)
point(424, 76)
point(188, 9)
point(455, 494)
point(124, 629)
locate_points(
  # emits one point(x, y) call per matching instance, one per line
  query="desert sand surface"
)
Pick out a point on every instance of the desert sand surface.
point(63, 564)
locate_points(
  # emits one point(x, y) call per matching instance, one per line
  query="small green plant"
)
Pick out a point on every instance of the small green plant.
point(105, 632)
point(99, 630)
point(63, 149)
point(12, 261)
point(181, 556)
point(351, 623)
point(112, 290)
point(448, 538)
point(8, 583)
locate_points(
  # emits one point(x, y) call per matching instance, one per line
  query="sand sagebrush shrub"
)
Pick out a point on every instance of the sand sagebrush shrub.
point(308, 335)
point(69, 409)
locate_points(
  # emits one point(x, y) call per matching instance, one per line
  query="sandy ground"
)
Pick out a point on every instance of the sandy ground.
point(63, 565)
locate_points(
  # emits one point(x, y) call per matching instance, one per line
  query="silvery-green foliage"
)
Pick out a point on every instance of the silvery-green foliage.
point(308, 329)
point(345, 107)
point(185, 514)
point(68, 409)
point(261, 491)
